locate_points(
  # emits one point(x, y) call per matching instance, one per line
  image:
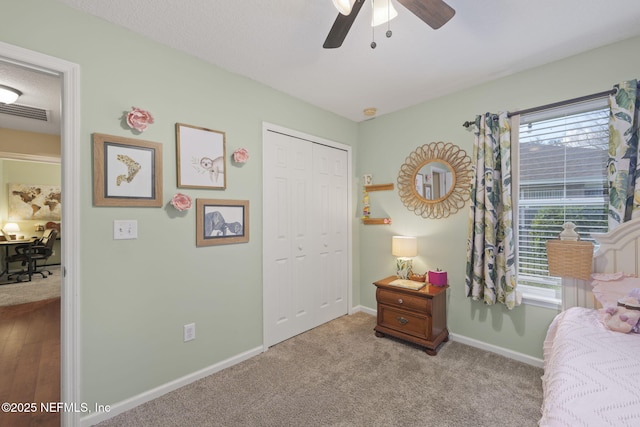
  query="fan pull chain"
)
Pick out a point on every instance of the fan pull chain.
point(373, 29)
point(388, 33)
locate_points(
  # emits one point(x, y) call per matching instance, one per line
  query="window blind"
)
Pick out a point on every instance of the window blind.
point(562, 177)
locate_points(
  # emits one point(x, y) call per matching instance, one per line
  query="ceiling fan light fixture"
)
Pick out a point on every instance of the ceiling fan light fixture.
point(383, 12)
point(344, 6)
point(9, 95)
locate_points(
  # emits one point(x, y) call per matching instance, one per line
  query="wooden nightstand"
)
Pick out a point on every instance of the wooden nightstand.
point(416, 316)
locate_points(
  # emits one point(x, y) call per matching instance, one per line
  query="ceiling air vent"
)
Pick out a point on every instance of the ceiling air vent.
point(24, 111)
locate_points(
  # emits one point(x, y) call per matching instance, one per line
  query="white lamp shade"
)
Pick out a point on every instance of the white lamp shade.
point(9, 95)
point(11, 227)
point(383, 12)
point(344, 6)
point(404, 246)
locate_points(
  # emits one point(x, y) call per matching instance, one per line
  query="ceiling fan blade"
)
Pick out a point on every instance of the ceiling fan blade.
point(341, 27)
point(434, 13)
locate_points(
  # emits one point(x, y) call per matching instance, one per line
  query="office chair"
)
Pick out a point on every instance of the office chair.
point(29, 254)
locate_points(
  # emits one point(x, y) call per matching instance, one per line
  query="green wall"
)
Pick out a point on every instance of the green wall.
point(442, 242)
point(136, 295)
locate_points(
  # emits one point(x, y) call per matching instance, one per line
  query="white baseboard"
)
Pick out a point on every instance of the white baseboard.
point(364, 309)
point(154, 393)
point(520, 357)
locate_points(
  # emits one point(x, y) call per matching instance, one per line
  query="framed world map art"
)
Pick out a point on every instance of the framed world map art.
point(35, 202)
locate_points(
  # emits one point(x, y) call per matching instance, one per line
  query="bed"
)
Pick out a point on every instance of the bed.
point(591, 373)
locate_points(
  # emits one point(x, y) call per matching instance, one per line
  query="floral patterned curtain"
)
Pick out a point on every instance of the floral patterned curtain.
point(622, 167)
point(491, 274)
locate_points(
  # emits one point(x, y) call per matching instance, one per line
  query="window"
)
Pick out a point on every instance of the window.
point(562, 157)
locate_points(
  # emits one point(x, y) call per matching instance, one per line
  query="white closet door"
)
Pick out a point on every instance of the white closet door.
point(330, 232)
point(287, 265)
point(305, 238)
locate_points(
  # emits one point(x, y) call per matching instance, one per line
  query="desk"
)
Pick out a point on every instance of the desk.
point(7, 244)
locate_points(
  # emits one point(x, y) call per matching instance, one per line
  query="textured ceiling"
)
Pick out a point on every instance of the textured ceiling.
point(279, 43)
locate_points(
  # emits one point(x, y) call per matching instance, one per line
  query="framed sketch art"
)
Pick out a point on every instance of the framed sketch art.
point(220, 222)
point(127, 172)
point(201, 157)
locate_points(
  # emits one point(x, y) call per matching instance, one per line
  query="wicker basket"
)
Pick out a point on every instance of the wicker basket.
point(570, 259)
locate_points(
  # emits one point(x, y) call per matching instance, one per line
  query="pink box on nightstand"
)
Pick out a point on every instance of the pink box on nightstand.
point(438, 278)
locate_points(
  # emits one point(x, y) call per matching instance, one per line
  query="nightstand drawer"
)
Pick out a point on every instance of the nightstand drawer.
point(404, 321)
point(402, 300)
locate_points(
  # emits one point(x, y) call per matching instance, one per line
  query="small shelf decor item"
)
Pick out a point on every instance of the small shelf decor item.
point(221, 222)
point(241, 155)
point(366, 206)
point(126, 172)
point(200, 157)
point(139, 119)
point(181, 202)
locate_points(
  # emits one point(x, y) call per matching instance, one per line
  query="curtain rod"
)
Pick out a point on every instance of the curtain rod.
point(556, 104)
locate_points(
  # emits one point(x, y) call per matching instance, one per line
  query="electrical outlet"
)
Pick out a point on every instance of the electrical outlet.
point(125, 229)
point(189, 332)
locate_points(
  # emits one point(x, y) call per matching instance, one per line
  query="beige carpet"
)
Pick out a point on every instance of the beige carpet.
point(37, 290)
point(340, 374)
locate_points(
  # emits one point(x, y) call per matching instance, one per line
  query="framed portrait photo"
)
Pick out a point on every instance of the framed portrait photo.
point(221, 222)
point(201, 157)
point(126, 172)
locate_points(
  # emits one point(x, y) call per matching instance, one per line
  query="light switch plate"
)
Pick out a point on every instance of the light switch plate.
point(125, 229)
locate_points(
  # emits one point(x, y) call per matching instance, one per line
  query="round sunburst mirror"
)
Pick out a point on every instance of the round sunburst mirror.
point(435, 179)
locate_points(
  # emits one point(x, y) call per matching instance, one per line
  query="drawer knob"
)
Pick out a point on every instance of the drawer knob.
point(400, 301)
point(402, 320)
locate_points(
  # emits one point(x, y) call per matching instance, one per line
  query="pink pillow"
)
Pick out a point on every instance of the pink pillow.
point(608, 289)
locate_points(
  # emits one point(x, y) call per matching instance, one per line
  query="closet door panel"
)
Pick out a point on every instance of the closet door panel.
point(331, 195)
point(286, 248)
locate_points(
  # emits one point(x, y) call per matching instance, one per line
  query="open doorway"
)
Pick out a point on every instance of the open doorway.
point(31, 196)
point(66, 74)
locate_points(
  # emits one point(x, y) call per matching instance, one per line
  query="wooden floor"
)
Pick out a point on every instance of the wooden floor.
point(30, 362)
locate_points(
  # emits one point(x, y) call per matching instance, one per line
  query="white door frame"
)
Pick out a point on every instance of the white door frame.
point(266, 127)
point(70, 231)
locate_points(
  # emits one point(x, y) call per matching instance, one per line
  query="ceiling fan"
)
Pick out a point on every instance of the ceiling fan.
point(434, 13)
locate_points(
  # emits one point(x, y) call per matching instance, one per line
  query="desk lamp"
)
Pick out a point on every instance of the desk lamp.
point(404, 248)
point(11, 228)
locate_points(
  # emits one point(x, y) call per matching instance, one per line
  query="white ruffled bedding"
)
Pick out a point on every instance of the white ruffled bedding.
point(591, 374)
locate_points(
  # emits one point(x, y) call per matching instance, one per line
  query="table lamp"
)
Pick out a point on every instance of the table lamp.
point(11, 228)
point(404, 248)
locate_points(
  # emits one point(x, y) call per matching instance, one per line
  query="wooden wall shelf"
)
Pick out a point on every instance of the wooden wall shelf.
point(378, 187)
point(376, 221)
